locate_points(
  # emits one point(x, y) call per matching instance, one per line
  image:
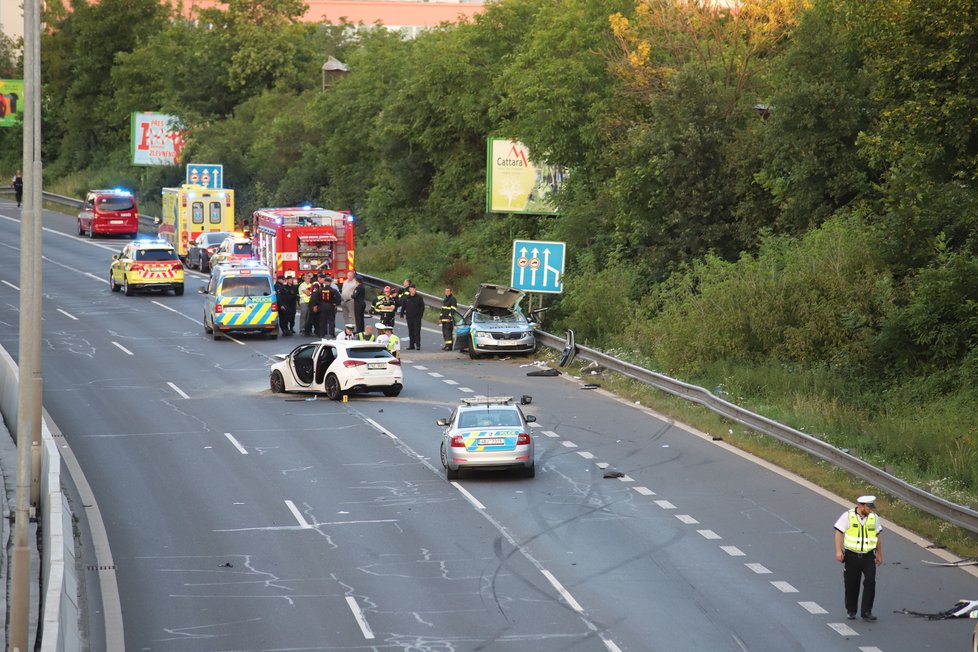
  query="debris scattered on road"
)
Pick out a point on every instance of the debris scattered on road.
point(614, 474)
point(543, 372)
point(590, 386)
point(961, 609)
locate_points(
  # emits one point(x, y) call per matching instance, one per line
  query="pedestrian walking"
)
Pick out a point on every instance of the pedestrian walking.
point(449, 308)
point(412, 304)
point(858, 546)
point(18, 184)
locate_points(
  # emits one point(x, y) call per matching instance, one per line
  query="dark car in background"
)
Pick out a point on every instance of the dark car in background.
point(205, 245)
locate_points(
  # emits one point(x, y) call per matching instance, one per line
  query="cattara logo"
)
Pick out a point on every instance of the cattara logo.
point(515, 159)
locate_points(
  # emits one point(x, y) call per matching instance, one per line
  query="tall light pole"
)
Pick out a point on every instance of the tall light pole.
point(29, 358)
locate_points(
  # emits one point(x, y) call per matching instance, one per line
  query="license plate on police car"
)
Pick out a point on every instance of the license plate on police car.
point(492, 441)
point(234, 309)
point(376, 365)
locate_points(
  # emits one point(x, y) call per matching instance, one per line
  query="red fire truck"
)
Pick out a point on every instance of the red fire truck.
point(293, 241)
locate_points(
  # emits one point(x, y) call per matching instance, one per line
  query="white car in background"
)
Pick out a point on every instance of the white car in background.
point(337, 368)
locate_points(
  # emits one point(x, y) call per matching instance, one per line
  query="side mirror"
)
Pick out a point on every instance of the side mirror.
point(115, 256)
point(442, 422)
point(530, 418)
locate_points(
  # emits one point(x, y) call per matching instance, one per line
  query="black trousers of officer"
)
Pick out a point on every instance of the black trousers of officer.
point(859, 566)
point(414, 331)
point(326, 326)
point(448, 333)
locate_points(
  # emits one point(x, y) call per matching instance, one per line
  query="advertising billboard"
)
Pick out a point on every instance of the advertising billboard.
point(157, 139)
point(515, 184)
point(11, 101)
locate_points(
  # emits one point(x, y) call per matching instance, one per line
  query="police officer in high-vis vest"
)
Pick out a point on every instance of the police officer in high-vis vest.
point(858, 547)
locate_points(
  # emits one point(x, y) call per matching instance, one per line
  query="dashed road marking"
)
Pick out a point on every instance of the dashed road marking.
point(627, 478)
point(843, 629)
point(784, 587)
point(645, 491)
point(472, 499)
point(467, 390)
point(568, 444)
point(176, 389)
point(237, 444)
point(602, 465)
point(381, 428)
point(435, 374)
point(687, 519)
point(123, 349)
point(67, 314)
point(586, 455)
point(550, 433)
point(709, 534)
point(870, 649)
point(733, 551)
point(361, 619)
point(760, 569)
point(449, 381)
point(664, 504)
point(303, 523)
point(421, 367)
point(564, 593)
point(813, 608)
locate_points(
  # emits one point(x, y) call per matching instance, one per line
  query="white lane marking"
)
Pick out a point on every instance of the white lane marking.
point(303, 523)
point(586, 455)
point(67, 314)
point(733, 551)
point(449, 381)
point(176, 389)
point(358, 614)
point(602, 465)
point(568, 444)
point(813, 608)
point(564, 593)
point(124, 349)
point(237, 444)
point(870, 649)
point(627, 478)
point(534, 425)
point(550, 433)
point(7, 283)
point(472, 499)
point(687, 519)
point(709, 534)
point(645, 491)
point(466, 389)
point(435, 374)
point(784, 587)
point(421, 367)
point(760, 569)
point(843, 629)
point(381, 428)
point(608, 643)
point(665, 504)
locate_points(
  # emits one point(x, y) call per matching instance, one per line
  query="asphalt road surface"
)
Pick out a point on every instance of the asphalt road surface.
point(242, 520)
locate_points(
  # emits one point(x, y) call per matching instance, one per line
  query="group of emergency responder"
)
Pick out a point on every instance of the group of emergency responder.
point(317, 298)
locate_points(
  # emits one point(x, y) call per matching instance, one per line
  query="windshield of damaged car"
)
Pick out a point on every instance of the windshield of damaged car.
point(489, 315)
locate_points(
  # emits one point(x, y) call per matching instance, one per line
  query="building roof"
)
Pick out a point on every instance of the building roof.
point(391, 13)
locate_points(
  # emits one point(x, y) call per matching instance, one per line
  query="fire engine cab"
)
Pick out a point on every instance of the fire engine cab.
point(293, 241)
point(191, 210)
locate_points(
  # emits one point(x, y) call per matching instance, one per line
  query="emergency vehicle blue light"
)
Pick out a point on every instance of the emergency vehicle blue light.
point(350, 218)
point(121, 191)
point(306, 206)
point(278, 220)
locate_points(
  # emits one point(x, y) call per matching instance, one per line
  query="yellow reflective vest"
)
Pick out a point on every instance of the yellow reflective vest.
point(860, 537)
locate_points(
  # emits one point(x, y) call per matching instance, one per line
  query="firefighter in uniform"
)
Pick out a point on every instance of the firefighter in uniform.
point(323, 305)
point(385, 306)
point(858, 547)
point(449, 307)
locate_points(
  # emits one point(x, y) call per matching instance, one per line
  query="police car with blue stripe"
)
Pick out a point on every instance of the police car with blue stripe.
point(487, 433)
point(240, 299)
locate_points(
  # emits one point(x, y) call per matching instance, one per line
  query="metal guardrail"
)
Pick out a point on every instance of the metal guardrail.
point(959, 515)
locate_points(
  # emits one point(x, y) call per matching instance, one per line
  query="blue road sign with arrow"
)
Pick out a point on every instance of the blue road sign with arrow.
point(538, 266)
point(209, 175)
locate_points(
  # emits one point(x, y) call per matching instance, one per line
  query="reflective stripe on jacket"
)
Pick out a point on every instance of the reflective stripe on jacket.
point(860, 537)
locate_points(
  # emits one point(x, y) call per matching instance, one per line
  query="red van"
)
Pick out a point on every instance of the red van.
point(109, 212)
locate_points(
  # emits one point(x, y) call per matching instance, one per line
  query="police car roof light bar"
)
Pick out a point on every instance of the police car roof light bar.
point(487, 400)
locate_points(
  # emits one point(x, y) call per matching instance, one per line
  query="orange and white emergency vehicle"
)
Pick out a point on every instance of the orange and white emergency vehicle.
point(190, 210)
point(293, 241)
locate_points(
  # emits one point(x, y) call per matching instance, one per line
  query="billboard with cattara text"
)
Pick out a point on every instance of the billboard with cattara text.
point(157, 139)
point(11, 101)
point(516, 184)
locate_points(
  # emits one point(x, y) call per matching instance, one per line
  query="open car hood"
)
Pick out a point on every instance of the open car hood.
point(497, 296)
